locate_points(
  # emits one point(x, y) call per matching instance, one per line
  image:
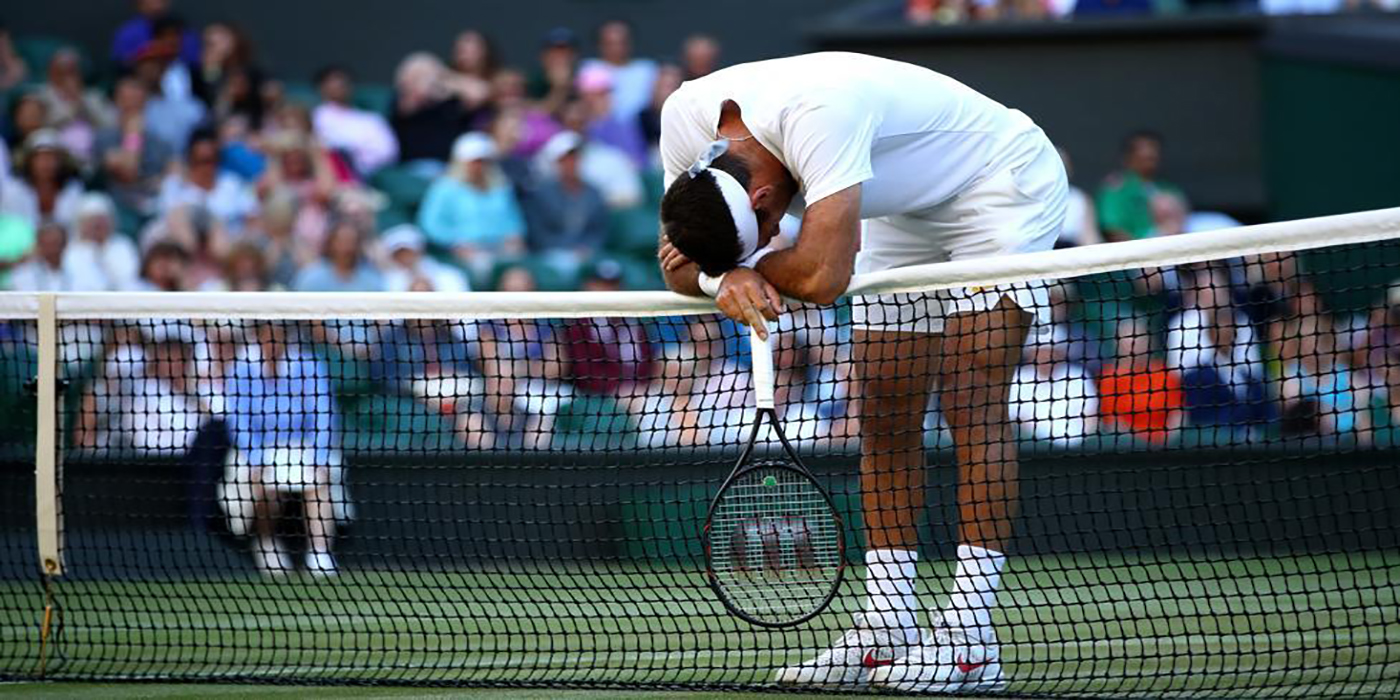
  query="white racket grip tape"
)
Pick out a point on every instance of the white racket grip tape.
point(761, 350)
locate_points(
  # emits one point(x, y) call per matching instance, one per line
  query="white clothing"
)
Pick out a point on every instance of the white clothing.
point(945, 172)
point(913, 138)
point(1080, 217)
point(443, 278)
point(112, 266)
point(231, 201)
point(36, 276)
point(19, 199)
point(366, 136)
point(1190, 345)
point(139, 412)
point(1059, 410)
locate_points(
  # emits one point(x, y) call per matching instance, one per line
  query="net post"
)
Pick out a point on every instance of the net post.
point(761, 349)
point(48, 510)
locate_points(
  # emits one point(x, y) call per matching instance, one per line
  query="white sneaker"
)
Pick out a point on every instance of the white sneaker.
point(320, 564)
point(851, 658)
point(271, 560)
point(953, 661)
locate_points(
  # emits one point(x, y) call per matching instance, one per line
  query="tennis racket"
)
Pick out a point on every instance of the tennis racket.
point(775, 547)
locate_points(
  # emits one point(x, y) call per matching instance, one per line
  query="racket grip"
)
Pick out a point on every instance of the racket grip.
point(762, 352)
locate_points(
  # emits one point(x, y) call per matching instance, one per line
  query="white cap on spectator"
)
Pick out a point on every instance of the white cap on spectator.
point(403, 236)
point(473, 145)
point(560, 145)
point(95, 204)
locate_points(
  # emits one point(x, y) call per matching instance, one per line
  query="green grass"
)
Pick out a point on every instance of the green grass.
point(1144, 626)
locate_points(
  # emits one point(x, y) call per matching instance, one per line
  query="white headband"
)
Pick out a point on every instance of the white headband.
point(734, 195)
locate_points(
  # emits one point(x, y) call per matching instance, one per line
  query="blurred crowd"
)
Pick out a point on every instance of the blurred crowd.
point(178, 162)
point(957, 11)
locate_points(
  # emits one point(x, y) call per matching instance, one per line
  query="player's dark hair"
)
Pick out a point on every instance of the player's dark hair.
point(697, 221)
point(1140, 135)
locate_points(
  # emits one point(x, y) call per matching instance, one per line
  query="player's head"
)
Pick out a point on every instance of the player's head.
point(717, 214)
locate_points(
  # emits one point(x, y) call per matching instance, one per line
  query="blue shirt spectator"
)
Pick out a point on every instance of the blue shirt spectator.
point(567, 215)
point(342, 267)
point(279, 396)
point(472, 210)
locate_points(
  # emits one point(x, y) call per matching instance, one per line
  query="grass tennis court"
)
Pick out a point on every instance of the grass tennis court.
point(1286, 626)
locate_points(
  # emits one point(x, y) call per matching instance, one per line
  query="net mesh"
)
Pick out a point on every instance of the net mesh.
point(1191, 469)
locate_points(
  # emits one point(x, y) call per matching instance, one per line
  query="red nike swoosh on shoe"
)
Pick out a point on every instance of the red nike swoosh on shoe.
point(870, 661)
point(968, 668)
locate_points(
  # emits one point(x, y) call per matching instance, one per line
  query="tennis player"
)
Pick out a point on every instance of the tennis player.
point(888, 165)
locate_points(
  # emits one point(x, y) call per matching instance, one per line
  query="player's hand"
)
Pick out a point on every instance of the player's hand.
point(748, 298)
point(671, 258)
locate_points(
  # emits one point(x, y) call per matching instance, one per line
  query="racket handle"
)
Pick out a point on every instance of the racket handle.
point(762, 352)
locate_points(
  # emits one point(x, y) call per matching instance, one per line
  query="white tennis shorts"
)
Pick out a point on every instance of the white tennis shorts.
point(1019, 209)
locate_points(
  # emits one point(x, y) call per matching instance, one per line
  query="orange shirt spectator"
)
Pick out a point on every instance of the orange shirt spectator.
point(1139, 393)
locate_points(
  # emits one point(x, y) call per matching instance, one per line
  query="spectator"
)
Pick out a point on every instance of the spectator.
point(1212, 343)
point(101, 259)
point(607, 356)
point(1319, 393)
point(1125, 202)
point(605, 125)
point(171, 115)
point(134, 34)
point(16, 237)
point(364, 135)
point(631, 79)
point(300, 170)
point(568, 217)
point(245, 269)
point(342, 267)
point(146, 397)
point(668, 80)
point(602, 166)
point(47, 187)
point(427, 116)
point(474, 59)
point(409, 270)
point(1054, 401)
point(1081, 223)
point(76, 112)
point(164, 268)
point(536, 126)
point(551, 83)
point(699, 56)
point(521, 366)
point(28, 114)
point(227, 81)
point(200, 235)
point(225, 196)
point(472, 210)
point(44, 271)
point(284, 252)
point(282, 418)
point(1140, 393)
point(131, 158)
point(1072, 341)
point(13, 69)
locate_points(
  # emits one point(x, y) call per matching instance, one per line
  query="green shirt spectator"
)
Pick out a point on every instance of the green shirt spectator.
point(1124, 202)
point(16, 240)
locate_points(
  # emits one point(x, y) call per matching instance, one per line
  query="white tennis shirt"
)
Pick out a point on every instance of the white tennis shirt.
point(913, 137)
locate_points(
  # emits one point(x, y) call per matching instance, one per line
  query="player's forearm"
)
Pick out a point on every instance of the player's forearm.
point(818, 268)
point(683, 280)
point(796, 278)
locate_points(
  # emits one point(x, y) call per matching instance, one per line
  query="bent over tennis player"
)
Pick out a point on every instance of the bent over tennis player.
point(934, 171)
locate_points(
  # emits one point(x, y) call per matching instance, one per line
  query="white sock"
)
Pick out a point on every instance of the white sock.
point(974, 589)
point(890, 602)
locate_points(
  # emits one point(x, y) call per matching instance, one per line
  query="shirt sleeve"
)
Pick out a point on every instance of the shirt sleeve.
point(827, 144)
point(673, 158)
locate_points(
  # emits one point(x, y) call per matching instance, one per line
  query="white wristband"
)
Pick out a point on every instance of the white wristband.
point(710, 285)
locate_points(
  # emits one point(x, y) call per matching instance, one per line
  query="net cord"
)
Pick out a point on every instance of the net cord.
point(1303, 234)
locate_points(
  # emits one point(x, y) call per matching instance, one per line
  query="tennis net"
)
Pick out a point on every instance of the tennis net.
point(510, 489)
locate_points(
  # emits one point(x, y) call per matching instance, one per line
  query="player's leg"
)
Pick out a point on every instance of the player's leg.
point(893, 370)
point(979, 357)
point(268, 554)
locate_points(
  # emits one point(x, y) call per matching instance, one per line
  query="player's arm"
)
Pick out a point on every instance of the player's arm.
point(683, 278)
point(818, 268)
